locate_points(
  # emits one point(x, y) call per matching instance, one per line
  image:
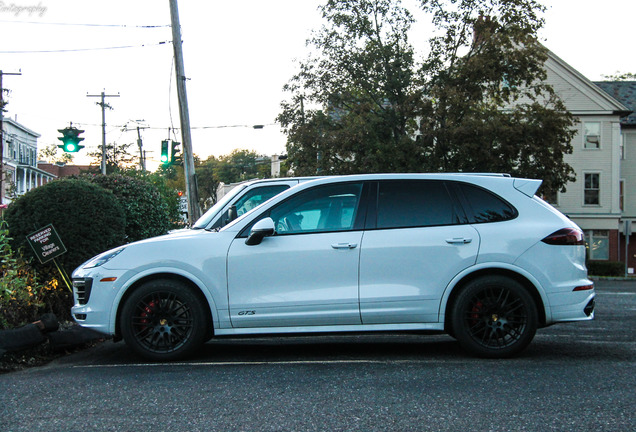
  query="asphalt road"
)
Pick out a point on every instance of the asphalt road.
point(573, 377)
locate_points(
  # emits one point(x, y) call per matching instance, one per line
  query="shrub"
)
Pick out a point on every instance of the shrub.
point(166, 189)
point(606, 268)
point(145, 208)
point(88, 218)
point(22, 298)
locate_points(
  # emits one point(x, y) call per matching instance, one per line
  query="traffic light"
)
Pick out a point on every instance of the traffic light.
point(165, 157)
point(176, 153)
point(70, 139)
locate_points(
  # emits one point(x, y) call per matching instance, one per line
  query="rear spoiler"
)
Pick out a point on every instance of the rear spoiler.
point(527, 187)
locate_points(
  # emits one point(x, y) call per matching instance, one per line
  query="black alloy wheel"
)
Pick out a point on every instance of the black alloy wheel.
point(494, 317)
point(164, 320)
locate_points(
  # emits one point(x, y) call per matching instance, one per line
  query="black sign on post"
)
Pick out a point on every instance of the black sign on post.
point(46, 244)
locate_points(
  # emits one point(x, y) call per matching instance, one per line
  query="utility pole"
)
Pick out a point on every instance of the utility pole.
point(2, 131)
point(104, 105)
point(194, 212)
point(142, 156)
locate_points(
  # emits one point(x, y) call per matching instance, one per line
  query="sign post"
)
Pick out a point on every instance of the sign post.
point(47, 245)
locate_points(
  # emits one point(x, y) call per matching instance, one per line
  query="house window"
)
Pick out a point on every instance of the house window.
point(592, 135)
point(622, 149)
point(598, 244)
point(591, 193)
point(621, 197)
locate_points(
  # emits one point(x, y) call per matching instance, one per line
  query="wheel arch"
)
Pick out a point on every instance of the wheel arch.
point(205, 300)
point(455, 288)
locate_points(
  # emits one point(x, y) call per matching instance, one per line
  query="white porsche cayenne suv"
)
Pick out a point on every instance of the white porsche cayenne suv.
point(479, 257)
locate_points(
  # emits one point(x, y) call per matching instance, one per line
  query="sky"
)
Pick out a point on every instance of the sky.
point(237, 57)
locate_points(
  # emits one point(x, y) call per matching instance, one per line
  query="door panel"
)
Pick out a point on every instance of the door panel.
point(306, 273)
point(295, 280)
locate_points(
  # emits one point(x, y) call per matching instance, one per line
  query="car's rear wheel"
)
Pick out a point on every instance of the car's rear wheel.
point(164, 320)
point(494, 317)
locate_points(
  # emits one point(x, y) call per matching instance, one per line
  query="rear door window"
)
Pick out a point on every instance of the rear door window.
point(414, 203)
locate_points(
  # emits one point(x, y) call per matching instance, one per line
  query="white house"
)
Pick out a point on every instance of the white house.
point(20, 167)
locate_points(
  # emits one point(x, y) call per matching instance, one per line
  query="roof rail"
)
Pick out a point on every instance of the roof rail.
point(482, 174)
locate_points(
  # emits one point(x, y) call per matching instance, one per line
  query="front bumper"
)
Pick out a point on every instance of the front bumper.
point(94, 296)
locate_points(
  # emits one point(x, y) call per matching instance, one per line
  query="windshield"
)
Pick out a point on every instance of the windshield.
point(205, 220)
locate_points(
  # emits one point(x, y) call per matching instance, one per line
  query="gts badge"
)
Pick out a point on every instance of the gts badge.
point(250, 312)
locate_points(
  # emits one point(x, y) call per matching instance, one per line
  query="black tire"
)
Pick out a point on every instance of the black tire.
point(494, 317)
point(164, 320)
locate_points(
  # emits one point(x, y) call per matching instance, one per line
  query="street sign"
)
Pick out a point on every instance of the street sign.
point(46, 244)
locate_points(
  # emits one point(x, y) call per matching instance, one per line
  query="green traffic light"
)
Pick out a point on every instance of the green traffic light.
point(70, 139)
point(165, 158)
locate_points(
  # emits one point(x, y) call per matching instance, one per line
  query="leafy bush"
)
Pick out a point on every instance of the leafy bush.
point(88, 218)
point(606, 268)
point(145, 208)
point(166, 187)
point(22, 298)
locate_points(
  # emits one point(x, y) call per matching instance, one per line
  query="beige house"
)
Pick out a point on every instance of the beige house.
point(596, 200)
point(625, 92)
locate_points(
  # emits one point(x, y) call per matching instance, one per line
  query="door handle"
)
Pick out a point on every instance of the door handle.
point(458, 240)
point(344, 245)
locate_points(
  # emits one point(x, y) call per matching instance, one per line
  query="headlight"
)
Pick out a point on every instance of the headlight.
point(103, 258)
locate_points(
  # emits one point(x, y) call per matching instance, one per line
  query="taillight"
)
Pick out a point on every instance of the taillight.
point(565, 237)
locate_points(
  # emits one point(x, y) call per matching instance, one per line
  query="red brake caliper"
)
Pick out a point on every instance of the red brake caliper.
point(147, 312)
point(475, 312)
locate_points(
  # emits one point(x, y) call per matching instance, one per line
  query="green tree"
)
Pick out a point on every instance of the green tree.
point(353, 107)
point(52, 154)
point(478, 102)
point(207, 181)
point(118, 157)
point(240, 165)
point(618, 76)
point(488, 106)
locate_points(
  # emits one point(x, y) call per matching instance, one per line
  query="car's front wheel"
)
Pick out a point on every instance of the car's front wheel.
point(164, 320)
point(494, 317)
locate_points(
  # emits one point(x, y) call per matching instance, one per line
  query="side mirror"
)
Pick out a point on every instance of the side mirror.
point(231, 214)
point(261, 229)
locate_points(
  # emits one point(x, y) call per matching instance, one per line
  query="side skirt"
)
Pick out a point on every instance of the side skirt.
point(331, 329)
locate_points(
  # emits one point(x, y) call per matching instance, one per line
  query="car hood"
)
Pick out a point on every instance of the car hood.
point(175, 249)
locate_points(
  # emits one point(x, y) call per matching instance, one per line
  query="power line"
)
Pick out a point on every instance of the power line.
point(257, 126)
point(86, 24)
point(84, 49)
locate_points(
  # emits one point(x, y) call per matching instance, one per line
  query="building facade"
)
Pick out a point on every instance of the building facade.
point(597, 200)
point(625, 92)
point(20, 161)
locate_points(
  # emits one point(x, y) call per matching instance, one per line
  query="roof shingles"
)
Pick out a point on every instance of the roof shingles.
point(625, 93)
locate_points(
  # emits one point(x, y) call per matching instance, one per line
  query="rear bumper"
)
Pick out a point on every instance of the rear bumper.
point(572, 306)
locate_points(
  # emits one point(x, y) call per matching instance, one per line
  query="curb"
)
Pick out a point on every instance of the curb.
point(31, 336)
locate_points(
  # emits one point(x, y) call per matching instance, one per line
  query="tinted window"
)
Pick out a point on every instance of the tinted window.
point(256, 197)
point(321, 209)
point(484, 206)
point(403, 204)
point(250, 200)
